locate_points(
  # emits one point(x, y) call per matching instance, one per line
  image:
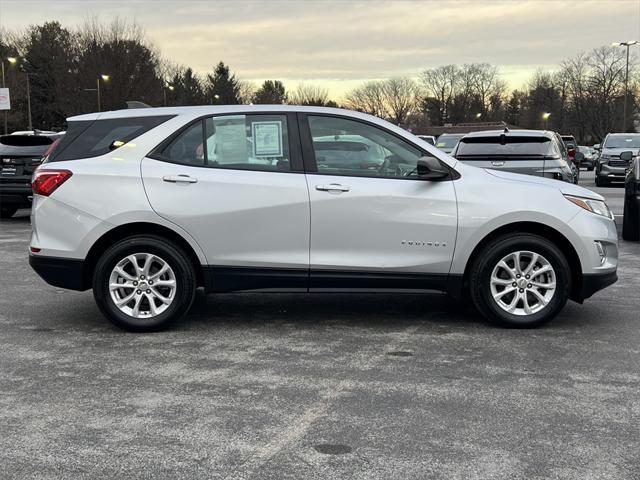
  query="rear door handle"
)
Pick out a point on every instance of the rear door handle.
point(332, 188)
point(498, 163)
point(179, 179)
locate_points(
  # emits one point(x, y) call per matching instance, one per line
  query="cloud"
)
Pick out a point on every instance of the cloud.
point(340, 41)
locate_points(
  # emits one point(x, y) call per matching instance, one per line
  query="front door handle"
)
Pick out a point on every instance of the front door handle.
point(179, 179)
point(332, 188)
point(499, 163)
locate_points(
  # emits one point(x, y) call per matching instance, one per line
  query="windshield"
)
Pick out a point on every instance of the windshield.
point(448, 141)
point(623, 141)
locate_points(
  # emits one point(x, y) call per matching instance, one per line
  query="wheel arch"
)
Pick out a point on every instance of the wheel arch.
point(542, 230)
point(139, 228)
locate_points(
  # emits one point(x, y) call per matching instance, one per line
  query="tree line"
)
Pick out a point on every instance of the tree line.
point(66, 68)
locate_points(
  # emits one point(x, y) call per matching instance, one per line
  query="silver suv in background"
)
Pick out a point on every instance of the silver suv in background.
point(144, 206)
point(530, 152)
point(610, 167)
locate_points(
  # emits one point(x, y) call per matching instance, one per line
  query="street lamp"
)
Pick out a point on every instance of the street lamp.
point(164, 92)
point(545, 117)
point(626, 80)
point(478, 115)
point(11, 60)
point(217, 97)
point(104, 79)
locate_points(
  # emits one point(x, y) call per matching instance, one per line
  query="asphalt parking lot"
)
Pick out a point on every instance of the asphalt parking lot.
point(278, 386)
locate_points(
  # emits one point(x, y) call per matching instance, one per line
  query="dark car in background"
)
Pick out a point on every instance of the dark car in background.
point(20, 155)
point(589, 160)
point(610, 167)
point(448, 141)
point(631, 219)
point(530, 152)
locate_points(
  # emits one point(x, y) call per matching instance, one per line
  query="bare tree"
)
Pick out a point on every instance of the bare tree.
point(441, 83)
point(309, 95)
point(400, 97)
point(368, 98)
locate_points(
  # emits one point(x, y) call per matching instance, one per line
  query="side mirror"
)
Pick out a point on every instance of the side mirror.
point(626, 156)
point(579, 157)
point(430, 168)
point(596, 147)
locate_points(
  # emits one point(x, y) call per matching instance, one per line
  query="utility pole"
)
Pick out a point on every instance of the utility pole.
point(626, 81)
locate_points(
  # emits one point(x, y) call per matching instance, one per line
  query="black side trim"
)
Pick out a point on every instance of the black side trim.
point(337, 279)
point(233, 279)
point(60, 272)
point(592, 283)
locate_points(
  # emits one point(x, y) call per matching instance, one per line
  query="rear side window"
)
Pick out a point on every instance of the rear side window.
point(240, 142)
point(503, 145)
point(92, 138)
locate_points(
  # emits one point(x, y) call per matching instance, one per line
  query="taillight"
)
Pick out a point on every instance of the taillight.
point(45, 182)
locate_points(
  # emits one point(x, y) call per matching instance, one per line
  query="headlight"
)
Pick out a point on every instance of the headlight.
point(594, 206)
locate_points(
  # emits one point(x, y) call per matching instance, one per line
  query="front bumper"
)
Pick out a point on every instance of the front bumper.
point(612, 173)
point(60, 272)
point(592, 283)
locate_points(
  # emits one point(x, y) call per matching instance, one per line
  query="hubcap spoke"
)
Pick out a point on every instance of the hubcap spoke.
point(531, 284)
point(142, 292)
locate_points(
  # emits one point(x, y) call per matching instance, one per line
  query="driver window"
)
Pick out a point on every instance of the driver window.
point(348, 147)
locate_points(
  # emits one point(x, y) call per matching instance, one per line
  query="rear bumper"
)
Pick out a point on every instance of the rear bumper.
point(16, 195)
point(594, 282)
point(60, 272)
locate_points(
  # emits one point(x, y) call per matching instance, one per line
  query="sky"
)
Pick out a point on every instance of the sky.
point(341, 43)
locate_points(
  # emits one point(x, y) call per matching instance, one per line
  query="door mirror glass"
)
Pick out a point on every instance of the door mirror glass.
point(430, 168)
point(626, 156)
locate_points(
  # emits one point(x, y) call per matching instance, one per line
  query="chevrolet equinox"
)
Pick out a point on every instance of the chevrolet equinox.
point(144, 206)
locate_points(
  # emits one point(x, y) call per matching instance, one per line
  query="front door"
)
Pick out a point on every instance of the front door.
point(374, 222)
point(235, 183)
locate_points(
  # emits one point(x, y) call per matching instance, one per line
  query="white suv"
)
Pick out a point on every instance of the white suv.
point(144, 206)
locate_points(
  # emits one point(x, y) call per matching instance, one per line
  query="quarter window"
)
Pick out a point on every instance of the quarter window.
point(349, 147)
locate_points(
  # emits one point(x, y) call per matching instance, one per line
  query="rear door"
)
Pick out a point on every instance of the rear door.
point(236, 184)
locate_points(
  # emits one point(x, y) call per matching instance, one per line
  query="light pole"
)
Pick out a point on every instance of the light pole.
point(626, 81)
point(29, 101)
point(545, 117)
point(105, 78)
point(11, 60)
point(164, 91)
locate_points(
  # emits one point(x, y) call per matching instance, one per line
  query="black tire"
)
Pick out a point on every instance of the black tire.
point(631, 219)
point(589, 169)
point(7, 212)
point(600, 182)
point(185, 282)
point(488, 258)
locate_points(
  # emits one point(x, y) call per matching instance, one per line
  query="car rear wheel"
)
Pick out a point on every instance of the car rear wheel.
point(631, 219)
point(7, 212)
point(520, 281)
point(144, 283)
point(600, 182)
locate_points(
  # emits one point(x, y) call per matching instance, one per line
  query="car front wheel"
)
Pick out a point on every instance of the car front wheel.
point(144, 283)
point(520, 281)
